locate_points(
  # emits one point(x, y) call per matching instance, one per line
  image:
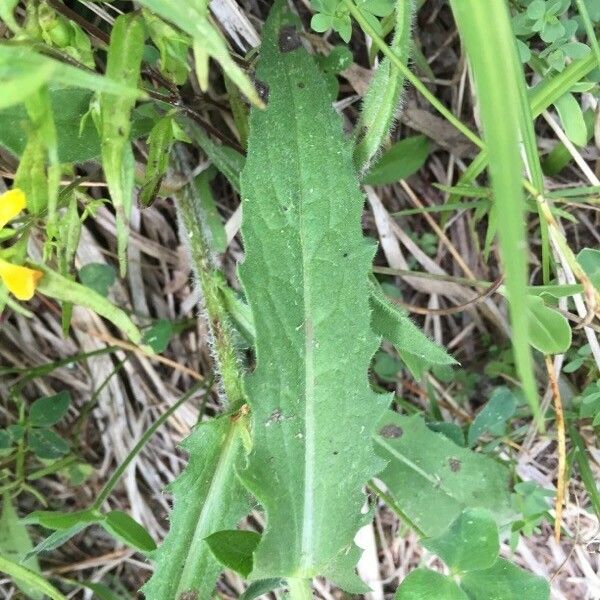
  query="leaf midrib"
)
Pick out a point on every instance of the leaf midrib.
point(213, 499)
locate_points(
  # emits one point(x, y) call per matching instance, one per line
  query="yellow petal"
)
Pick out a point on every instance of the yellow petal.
point(11, 204)
point(21, 281)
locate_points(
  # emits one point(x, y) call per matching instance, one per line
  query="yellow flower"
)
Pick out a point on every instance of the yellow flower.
point(21, 281)
point(11, 204)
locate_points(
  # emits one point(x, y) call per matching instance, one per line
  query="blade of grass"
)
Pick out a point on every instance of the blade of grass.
point(589, 28)
point(541, 97)
point(116, 476)
point(487, 34)
point(16, 571)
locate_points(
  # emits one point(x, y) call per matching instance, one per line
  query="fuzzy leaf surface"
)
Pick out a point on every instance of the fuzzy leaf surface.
point(306, 279)
point(208, 498)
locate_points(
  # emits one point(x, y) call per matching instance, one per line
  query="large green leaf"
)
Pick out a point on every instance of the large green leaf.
point(306, 278)
point(123, 64)
point(208, 498)
point(77, 141)
point(433, 480)
point(160, 142)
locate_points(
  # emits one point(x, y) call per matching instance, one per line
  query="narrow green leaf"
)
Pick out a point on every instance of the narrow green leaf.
point(416, 350)
point(234, 549)
point(208, 213)
point(123, 64)
point(40, 69)
point(70, 229)
point(470, 543)
point(160, 141)
point(49, 410)
point(227, 160)
point(57, 539)
point(585, 469)
point(486, 33)
point(191, 17)
point(120, 525)
point(492, 418)
point(549, 331)
point(31, 174)
point(305, 274)
point(34, 585)
point(38, 174)
point(423, 584)
point(433, 480)
point(506, 581)
point(15, 544)
point(382, 99)
point(60, 521)
point(56, 286)
point(403, 159)
point(239, 111)
point(208, 498)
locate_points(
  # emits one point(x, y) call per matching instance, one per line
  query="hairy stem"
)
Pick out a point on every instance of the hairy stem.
point(209, 278)
point(404, 70)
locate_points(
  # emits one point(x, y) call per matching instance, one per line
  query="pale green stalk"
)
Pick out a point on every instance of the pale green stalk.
point(486, 33)
point(589, 28)
point(300, 589)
